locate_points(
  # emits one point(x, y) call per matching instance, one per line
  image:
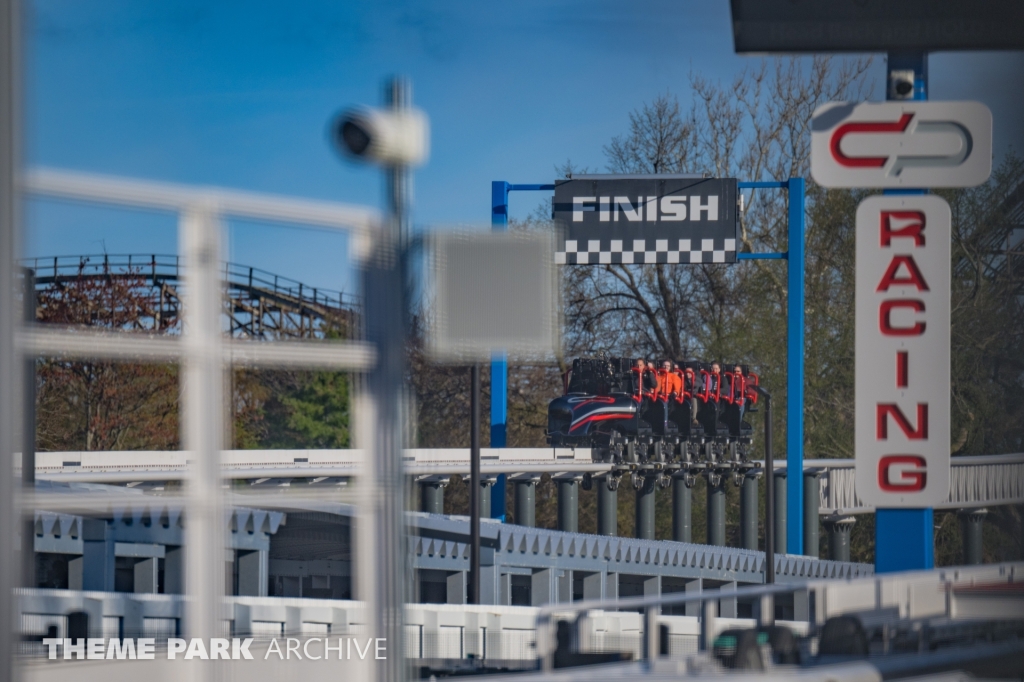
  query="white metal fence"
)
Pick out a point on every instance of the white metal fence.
point(205, 353)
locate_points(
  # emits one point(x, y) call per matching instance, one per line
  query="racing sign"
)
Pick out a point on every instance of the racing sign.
point(912, 144)
point(646, 219)
point(901, 427)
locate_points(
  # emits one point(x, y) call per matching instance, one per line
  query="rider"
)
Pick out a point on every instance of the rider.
point(670, 386)
point(739, 391)
point(715, 378)
point(645, 381)
point(692, 382)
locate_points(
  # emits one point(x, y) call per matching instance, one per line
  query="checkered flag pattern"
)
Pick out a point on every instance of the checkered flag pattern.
point(637, 251)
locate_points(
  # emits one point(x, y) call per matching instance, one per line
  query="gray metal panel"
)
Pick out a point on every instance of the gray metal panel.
point(784, 26)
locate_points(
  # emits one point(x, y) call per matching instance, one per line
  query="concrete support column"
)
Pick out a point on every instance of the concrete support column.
point(568, 505)
point(607, 508)
point(146, 576)
point(716, 513)
point(456, 587)
point(97, 555)
point(727, 605)
point(682, 510)
point(838, 529)
point(505, 589)
point(489, 587)
point(593, 586)
point(543, 586)
point(174, 570)
point(748, 510)
point(564, 584)
point(972, 523)
point(485, 498)
point(611, 585)
point(525, 502)
point(432, 497)
point(811, 502)
point(645, 508)
point(253, 573)
point(694, 586)
point(780, 511)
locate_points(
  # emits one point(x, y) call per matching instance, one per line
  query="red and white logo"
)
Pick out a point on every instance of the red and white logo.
point(901, 144)
point(902, 348)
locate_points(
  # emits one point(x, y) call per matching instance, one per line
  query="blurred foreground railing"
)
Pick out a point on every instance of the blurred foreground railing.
point(205, 352)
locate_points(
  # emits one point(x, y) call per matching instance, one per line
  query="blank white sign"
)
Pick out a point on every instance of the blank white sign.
point(492, 291)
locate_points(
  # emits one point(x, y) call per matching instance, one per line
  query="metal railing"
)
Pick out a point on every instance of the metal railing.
point(924, 594)
point(156, 268)
point(204, 352)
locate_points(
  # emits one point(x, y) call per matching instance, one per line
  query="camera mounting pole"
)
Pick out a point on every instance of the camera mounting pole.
point(382, 136)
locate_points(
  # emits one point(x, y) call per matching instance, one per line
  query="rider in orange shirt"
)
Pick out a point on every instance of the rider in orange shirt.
point(670, 385)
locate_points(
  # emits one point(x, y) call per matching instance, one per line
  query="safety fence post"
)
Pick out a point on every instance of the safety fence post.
point(432, 497)
point(525, 502)
point(682, 510)
point(607, 508)
point(568, 505)
point(810, 521)
point(748, 510)
point(838, 529)
point(645, 498)
point(780, 512)
point(972, 522)
point(716, 513)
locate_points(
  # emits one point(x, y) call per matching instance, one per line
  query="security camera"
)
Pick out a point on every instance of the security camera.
point(389, 137)
point(901, 84)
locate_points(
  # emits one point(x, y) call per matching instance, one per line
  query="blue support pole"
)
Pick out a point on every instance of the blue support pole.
point(499, 364)
point(794, 502)
point(795, 371)
point(905, 538)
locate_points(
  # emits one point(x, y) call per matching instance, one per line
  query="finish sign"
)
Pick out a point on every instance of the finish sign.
point(902, 347)
point(648, 219)
point(909, 144)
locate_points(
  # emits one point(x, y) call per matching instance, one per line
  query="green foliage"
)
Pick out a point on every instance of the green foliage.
point(291, 410)
point(318, 412)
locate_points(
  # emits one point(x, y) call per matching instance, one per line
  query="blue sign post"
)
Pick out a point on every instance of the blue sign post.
point(795, 346)
point(795, 354)
point(905, 538)
point(499, 363)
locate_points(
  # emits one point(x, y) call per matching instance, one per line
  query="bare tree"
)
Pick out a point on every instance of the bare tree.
point(659, 140)
point(758, 128)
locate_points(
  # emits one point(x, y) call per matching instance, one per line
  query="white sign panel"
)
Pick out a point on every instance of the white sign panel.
point(492, 291)
point(907, 144)
point(902, 343)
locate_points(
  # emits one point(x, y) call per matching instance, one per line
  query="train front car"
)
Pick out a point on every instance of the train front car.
point(674, 419)
point(599, 409)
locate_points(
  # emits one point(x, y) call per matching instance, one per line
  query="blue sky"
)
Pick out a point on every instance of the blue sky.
point(239, 94)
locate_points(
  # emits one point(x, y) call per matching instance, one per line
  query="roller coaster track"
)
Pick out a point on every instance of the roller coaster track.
point(258, 304)
point(975, 481)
